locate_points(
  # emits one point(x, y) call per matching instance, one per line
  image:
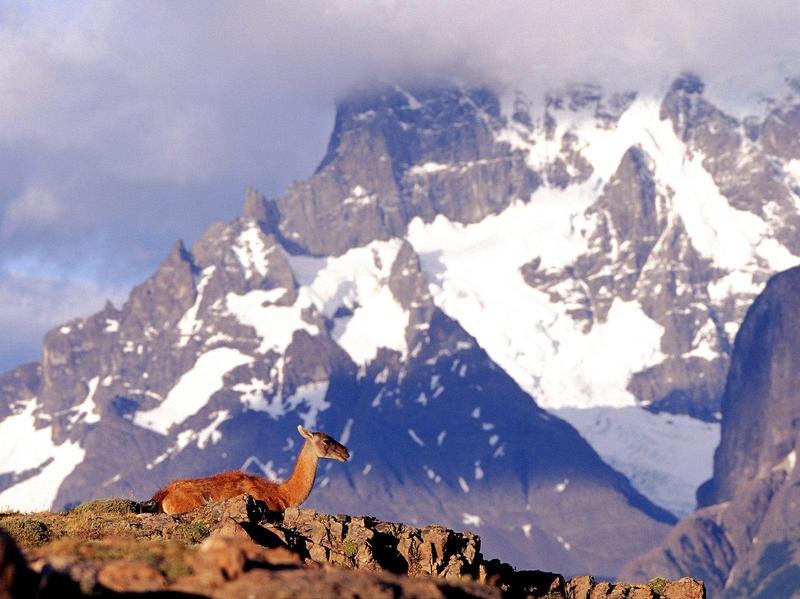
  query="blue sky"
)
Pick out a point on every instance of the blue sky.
point(127, 125)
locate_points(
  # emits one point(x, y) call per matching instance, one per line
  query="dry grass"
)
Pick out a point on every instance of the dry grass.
point(166, 555)
point(99, 519)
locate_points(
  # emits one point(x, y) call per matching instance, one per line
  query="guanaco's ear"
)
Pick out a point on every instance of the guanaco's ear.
point(303, 432)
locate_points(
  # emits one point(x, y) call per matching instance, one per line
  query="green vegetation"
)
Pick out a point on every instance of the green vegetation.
point(349, 548)
point(108, 506)
point(190, 532)
point(27, 531)
point(99, 519)
point(658, 585)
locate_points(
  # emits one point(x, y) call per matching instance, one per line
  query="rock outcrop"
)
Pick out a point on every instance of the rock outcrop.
point(235, 549)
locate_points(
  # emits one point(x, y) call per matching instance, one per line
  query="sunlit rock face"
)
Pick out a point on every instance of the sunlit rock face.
point(463, 276)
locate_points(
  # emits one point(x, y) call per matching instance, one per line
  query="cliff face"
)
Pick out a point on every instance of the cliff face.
point(744, 541)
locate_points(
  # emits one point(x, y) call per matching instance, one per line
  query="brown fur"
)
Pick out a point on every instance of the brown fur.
point(185, 495)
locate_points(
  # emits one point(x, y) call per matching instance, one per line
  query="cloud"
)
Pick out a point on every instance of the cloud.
point(125, 125)
point(35, 209)
point(30, 306)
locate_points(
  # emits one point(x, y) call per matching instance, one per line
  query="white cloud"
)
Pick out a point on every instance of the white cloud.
point(177, 91)
point(35, 209)
point(30, 306)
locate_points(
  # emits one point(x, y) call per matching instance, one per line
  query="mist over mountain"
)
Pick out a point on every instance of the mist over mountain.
point(130, 125)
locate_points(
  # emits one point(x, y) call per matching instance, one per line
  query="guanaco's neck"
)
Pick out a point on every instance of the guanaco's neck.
point(298, 485)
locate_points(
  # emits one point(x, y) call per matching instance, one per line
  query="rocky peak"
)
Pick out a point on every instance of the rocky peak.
point(779, 132)
point(692, 115)
point(630, 204)
point(437, 123)
point(397, 154)
point(167, 294)
point(687, 83)
point(587, 98)
point(761, 417)
point(742, 541)
point(255, 206)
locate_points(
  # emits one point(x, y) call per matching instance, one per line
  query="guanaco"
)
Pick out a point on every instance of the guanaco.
point(185, 495)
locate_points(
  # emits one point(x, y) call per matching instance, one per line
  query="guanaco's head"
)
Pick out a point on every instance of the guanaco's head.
point(325, 445)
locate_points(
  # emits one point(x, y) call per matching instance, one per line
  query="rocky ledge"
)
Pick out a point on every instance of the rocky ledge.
point(237, 549)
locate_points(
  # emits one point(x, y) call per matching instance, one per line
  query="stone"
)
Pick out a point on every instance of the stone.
point(16, 580)
point(685, 588)
point(230, 528)
point(131, 577)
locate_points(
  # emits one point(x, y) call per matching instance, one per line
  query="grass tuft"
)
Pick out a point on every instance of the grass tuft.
point(107, 506)
point(26, 531)
point(658, 585)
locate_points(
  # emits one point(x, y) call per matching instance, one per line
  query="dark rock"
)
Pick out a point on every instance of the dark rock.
point(16, 579)
point(742, 543)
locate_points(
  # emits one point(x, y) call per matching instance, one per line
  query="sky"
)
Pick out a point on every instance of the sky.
point(127, 125)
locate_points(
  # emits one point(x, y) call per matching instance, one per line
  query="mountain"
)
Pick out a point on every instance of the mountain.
point(215, 359)
point(745, 539)
point(462, 273)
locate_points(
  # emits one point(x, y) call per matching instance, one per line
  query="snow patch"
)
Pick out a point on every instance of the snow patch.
point(251, 251)
point(23, 447)
point(211, 433)
point(359, 197)
point(793, 168)
point(189, 324)
point(258, 396)
point(344, 438)
point(312, 395)
point(267, 469)
point(470, 519)
point(112, 326)
point(704, 344)
point(87, 409)
point(428, 168)
point(415, 437)
point(411, 101)
point(665, 456)
point(788, 463)
point(474, 276)
point(357, 283)
point(193, 390)
point(274, 325)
